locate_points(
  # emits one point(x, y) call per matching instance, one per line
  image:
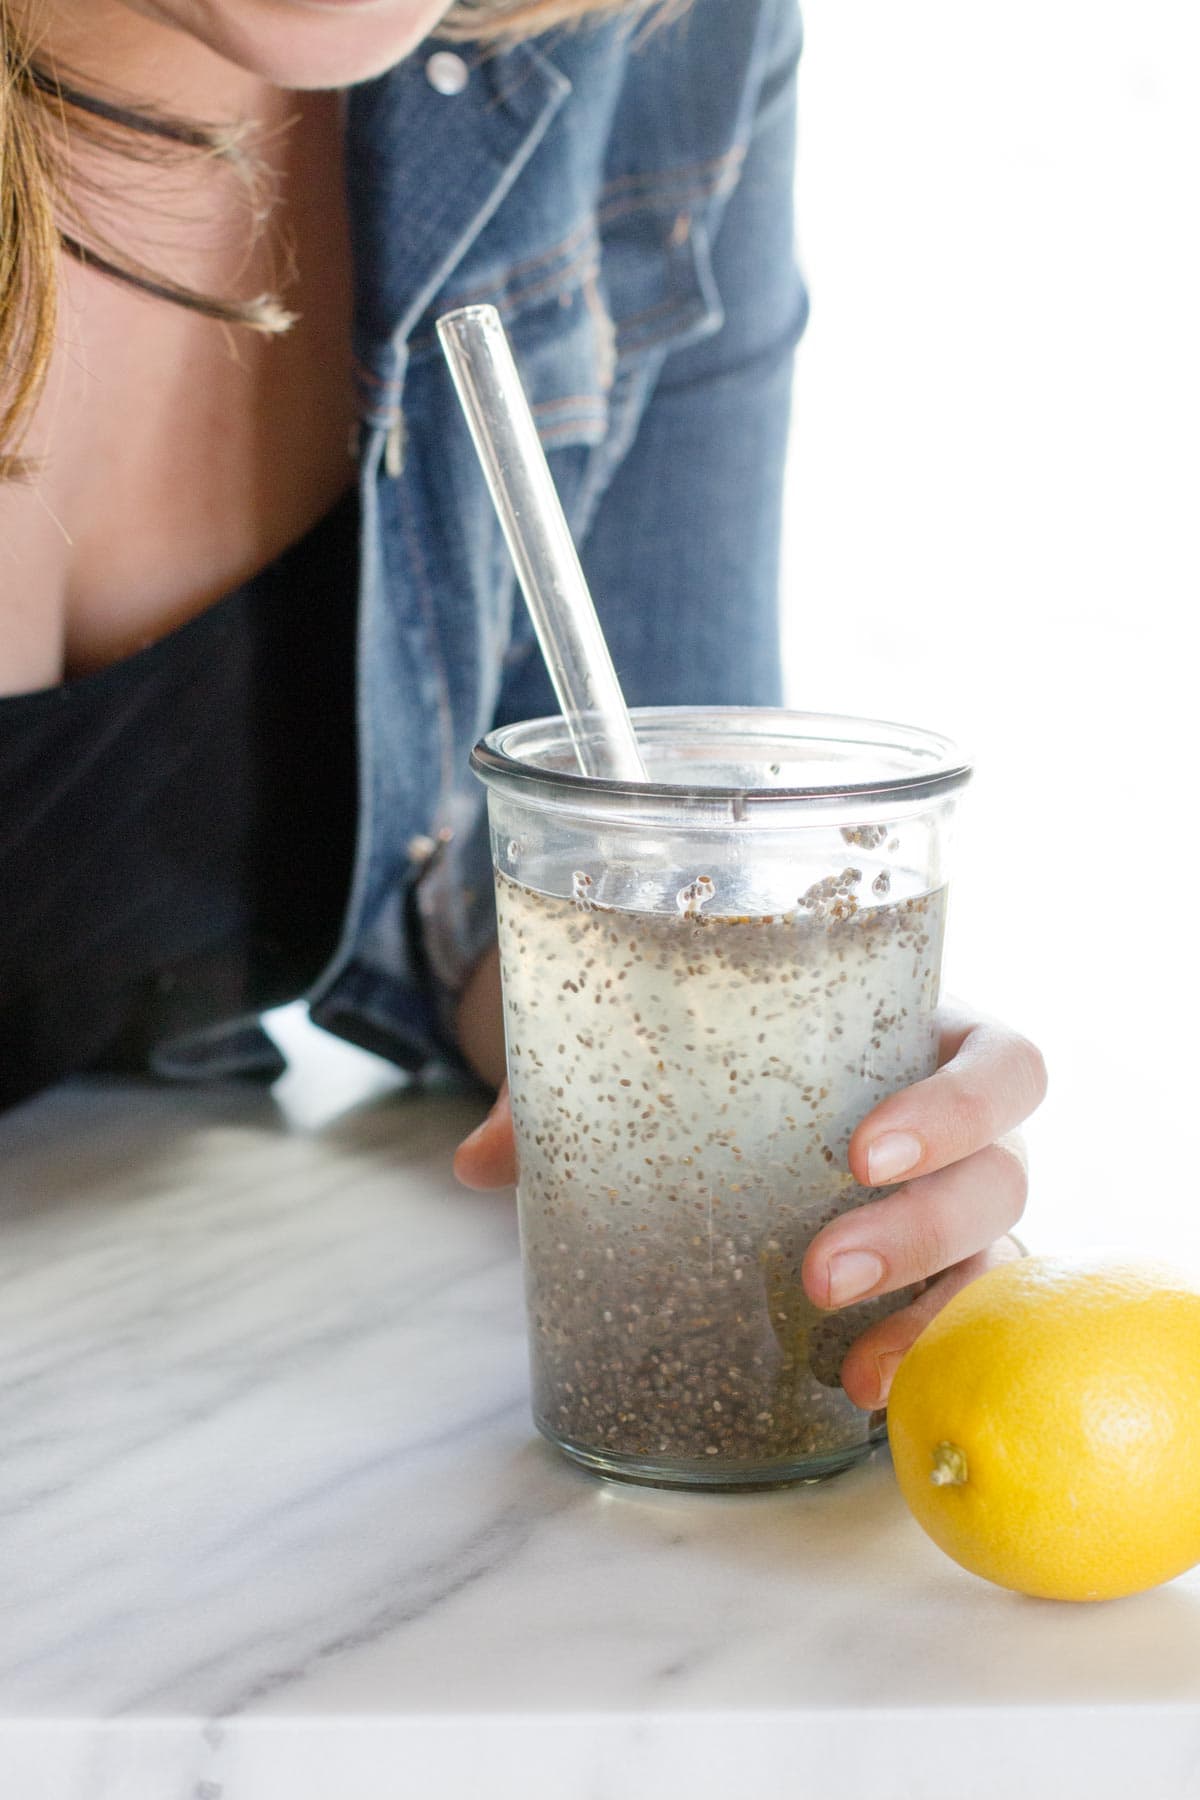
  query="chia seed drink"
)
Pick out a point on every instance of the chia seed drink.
point(697, 1017)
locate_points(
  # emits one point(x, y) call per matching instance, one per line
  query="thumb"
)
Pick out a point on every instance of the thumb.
point(487, 1159)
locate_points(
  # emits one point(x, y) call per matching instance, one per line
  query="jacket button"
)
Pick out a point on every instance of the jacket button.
point(446, 73)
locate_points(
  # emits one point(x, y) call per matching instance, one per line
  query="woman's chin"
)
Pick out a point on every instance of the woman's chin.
point(306, 44)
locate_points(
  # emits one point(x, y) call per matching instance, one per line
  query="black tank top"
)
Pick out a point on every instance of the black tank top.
point(177, 830)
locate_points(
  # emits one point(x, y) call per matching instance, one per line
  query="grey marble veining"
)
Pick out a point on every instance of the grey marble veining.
point(274, 1520)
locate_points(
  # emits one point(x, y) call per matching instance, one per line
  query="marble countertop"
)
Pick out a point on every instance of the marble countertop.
point(275, 1525)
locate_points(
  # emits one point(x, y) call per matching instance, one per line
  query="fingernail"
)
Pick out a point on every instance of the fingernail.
point(853, 1273)
point(886, 1364)
point(893, 1155)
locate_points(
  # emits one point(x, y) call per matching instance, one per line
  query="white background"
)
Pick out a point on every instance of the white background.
point(992, 526)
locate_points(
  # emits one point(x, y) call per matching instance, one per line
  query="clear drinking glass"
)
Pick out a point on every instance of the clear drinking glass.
point(709, 979)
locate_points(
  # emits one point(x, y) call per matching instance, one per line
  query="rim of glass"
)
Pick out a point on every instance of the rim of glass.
point(507, 759)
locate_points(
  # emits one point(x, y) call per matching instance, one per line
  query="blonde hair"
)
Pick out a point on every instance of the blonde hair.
point(42, 214)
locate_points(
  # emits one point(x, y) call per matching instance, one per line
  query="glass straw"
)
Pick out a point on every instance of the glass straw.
point(540, 543)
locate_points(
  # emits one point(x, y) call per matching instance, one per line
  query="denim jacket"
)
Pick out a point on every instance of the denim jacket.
point(624, 197)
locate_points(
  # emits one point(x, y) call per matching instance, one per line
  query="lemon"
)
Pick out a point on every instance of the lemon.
point(1045, 1427)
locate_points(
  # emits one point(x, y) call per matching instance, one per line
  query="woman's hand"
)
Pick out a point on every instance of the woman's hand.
point(479, 1025)
point(486, 1159)
point(950, 1141)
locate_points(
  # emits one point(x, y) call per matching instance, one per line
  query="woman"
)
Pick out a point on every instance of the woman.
point(245, 663)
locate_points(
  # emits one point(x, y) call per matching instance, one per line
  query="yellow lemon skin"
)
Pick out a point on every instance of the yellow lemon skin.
point(1045, 1427)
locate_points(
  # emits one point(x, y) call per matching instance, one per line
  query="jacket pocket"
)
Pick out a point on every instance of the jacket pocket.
point(656, 255)
point(553, 308)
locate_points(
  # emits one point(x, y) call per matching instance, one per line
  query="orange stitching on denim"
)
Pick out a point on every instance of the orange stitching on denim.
point(655, 312)
point(369, 375)
point(512, 298)
point(654, 340)
point(675, 197)
point(665, 179)
point(575, 273)
point(585, 402)
point(563, 434)
point(585, 233)
point(584, 265)
point(585, 228)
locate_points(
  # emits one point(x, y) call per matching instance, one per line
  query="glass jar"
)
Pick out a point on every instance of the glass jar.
point(709, 979)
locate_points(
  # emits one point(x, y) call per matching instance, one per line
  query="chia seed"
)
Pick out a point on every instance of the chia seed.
point(684, 1090)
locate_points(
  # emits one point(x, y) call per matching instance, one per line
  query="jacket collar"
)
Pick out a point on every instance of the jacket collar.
point(426, 172)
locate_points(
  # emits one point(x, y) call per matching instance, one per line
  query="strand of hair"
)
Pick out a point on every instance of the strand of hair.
point(263, 313)
point(188, 133)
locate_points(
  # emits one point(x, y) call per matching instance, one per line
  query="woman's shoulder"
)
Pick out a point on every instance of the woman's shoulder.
point(609, 102)
point(503, 184)
point(691, 84)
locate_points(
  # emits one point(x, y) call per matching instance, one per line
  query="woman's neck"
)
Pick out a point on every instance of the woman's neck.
point(197, 220)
